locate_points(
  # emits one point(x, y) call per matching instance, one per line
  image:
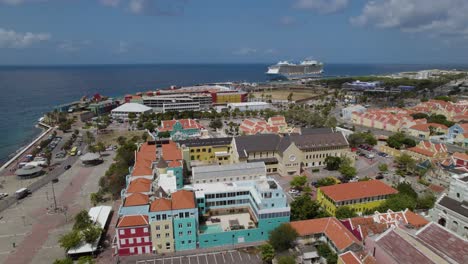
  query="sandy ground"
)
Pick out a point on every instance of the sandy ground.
point(29, 232)
point(110, 138)
point(283, 94)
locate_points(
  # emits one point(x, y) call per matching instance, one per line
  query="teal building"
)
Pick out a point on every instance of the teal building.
point(239, 212)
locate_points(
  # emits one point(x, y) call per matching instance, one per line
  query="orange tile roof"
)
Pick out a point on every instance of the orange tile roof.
point(426, 127)
point(415, 219)
point(167, 125)
point(144, 160)
point(459, 155)
point(139, 185)
point(136, 199)
point(421, 151)
point(175, 164)
point(349, 258)
point(161, 204)
point(436, 188)
point(171, 152)
point(357, 190)
point(132, 220)
point(183, 200)
point(331, 227)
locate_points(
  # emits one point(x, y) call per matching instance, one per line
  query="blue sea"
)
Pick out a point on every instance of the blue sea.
point(27, 92)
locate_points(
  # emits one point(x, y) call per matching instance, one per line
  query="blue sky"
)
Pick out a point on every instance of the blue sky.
point(190, 31)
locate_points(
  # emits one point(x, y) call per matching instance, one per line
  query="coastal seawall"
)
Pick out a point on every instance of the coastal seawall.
point(25, 149)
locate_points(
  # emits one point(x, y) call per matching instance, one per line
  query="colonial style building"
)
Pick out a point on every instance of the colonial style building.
point(289, 154)
point(206, 151)
point(133, 235)
point(451, 210)
point(359, 196)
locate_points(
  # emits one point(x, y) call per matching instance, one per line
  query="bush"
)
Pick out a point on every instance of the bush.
point(283, 237)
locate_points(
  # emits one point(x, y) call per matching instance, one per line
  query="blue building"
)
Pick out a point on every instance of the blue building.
point(239, 212)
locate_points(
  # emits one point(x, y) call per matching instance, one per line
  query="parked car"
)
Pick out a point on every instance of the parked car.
point(67, 167)
point(379, 177)
point(21, 193)
point(3, 195)
point(293, 191)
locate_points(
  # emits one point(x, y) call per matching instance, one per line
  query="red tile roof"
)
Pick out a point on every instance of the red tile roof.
point(426, 127)
point(436, 188)
point(144, 160)
point(357, 190)
point(171, 152)
point(136, 199)
point(175, 164)
point(460, 156)
point(161, 204)
point(422, 151)
point(139, 185)
point(331, 227)
point(132, 220)
point(183, 200)
point(167, 125)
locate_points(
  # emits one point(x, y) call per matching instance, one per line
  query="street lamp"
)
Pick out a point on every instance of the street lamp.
point(53, 193)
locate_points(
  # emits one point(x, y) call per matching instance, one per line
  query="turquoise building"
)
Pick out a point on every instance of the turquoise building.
point(239, 212)
point(181, 129)
point(177, 168)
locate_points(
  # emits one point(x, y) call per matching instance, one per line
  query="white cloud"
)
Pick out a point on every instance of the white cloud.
point(137, 6)
point(122, 48)
point(436, 17)
point(13, 39)
point(111, 3)
point(73, 46)
point(270, 51)
point(245, 51)
point(322, 6)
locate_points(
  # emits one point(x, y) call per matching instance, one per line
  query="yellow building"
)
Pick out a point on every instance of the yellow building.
point(207, 151)
point(230, 97)
point(359, 196)
point(161, 226)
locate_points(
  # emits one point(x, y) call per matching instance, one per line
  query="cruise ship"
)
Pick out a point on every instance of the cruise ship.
point(289, 71)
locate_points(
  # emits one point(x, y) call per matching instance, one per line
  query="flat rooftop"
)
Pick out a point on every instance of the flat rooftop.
point(224, 223)
point(229, 170)
point(222, 187)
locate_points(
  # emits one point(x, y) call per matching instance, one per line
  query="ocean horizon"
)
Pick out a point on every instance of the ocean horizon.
point(29, 91)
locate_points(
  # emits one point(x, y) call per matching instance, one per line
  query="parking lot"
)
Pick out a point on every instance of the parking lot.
point(224, 257)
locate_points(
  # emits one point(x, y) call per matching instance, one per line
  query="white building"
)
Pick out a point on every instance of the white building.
point(125, 109)
point(452, 211)
point(230, 172)
point(348, 111)
point(249, 106)
point(179, 102)
point(167, 181)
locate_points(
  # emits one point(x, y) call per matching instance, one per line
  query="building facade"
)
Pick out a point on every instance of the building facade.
point(133, 235)
point(206, 151)
point(230, 172)
point(359, 196)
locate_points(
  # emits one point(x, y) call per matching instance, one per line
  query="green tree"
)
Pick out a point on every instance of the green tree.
point(286, 260)
point(99, 147)
point(406, 188)
point(70, 240)
point(92, 233)
point(268, 252)
point(290, 96)
point(165, 134)
point(121, 140)
point(303, 208)
point(283, 237)
point(144, 137)
point(324, 251)
point(332, 163)
point(298, 182)
point(150, 126)
point(326, 181)
point(398, 202)
point(86, 260)
point(96, 198)
point(63, 261)
point(65, 126)
point(131, 115)
point(360, 138)
point(343, 212)
point(406, 162)
point(383, 167)
point(89, 138)
point(426, 202)
point(348, 171)
point(216, 124)
point(82, 220)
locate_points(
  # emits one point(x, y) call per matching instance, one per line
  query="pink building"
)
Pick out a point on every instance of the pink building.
point(133, 235)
